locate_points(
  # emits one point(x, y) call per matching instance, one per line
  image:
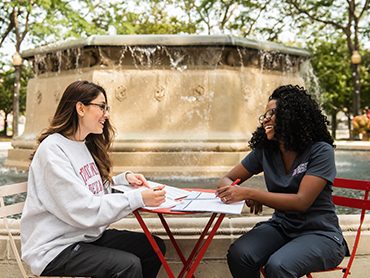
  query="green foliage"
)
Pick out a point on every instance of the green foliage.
point(365, 79)
point(153, 19)
point(330, 62)
point(61, 19)
point(235, 17)
point(7, 78)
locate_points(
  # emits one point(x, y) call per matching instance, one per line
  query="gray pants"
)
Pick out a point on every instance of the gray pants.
point(282, 256)
point(115, 254)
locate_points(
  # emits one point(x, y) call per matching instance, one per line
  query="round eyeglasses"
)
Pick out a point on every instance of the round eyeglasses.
point(103, 106)
point(267, 115)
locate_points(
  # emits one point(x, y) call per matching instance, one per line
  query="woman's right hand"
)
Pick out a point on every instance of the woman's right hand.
point(154, 197)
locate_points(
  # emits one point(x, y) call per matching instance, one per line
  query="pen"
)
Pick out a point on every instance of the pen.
point(157, 188)
point(146, 185)
point(235, 182)
point(197, 199)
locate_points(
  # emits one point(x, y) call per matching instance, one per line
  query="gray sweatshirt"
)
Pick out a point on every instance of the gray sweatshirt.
point(67, 201)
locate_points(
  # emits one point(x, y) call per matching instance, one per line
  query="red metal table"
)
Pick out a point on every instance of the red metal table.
point(191, 263)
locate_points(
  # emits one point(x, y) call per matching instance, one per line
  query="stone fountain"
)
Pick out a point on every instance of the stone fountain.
point(182, 105)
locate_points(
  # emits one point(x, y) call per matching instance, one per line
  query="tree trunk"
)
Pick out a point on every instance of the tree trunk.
point(5, 123)
point(17, 85)
point(357, 87)
point(349, 123)
point(334, 124)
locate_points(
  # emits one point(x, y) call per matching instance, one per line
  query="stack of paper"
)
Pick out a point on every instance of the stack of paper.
point(172, 193)
point(204, 201)
point(183, 200)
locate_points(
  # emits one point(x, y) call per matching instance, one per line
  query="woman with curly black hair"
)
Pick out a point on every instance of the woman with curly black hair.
point(294, 149)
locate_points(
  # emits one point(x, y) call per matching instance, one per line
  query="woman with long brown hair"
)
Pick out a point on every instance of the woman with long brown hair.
point(69, 202)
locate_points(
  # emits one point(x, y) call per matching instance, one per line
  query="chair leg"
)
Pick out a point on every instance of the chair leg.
point(262, 270)
point(13, 246)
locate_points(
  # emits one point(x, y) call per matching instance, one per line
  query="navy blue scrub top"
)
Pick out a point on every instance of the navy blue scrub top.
point(317, 160)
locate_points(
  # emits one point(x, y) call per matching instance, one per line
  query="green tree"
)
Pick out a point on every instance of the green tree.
point(35, 20)
point(236, 17)
point(348, 19)
point(14, 14)
point(334, 77)
point(147, 17)
point(365, 74)
point(7, 78)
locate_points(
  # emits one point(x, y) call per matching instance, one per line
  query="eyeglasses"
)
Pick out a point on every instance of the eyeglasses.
point(268, 115)
point(103, 106)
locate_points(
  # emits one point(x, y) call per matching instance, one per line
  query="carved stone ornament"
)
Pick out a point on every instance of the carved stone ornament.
point(159, 93)
point(38, 97)
point(247, 93)
point(57, 95)
point(199, 90)
point(120, 93)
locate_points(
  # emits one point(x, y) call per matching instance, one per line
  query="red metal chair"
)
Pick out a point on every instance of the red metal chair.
point(362, 203)
point(352, 202)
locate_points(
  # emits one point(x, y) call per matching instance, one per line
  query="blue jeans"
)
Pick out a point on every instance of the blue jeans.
point(282, 256)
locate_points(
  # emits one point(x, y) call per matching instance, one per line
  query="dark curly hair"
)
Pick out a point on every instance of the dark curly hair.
point(299, 121)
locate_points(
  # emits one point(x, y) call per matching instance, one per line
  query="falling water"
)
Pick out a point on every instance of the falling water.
point(311, 80)
point(190, 103)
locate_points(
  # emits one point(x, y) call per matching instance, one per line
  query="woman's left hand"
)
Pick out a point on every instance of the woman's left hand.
point(136, 180)
point(231, 194)
point(254, 206)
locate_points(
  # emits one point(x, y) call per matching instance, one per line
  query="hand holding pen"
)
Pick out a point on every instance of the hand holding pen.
point(154, 197)
point(226, 193)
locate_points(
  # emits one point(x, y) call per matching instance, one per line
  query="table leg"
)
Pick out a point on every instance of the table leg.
point(204, 248)
point(173, 240)
point(154, 244)
point(199, 248)
point(196, 246)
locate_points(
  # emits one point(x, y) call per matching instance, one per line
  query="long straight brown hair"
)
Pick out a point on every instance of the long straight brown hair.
point(65, 122)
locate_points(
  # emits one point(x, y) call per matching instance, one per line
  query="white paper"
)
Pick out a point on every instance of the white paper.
point(168, 203)
point(172, 193)
point(207, 202)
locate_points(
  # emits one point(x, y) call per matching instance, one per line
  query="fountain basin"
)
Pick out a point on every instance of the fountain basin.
point(181, 105)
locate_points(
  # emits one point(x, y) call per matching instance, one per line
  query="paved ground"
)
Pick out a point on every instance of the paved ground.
point(5, 145)
point(348, 145)
point(218, 269)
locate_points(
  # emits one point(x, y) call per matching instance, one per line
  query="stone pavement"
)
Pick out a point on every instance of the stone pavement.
point(341, 145)
point(5, 146)
point(353, 145)
point(213, 264)
point(217, 269)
